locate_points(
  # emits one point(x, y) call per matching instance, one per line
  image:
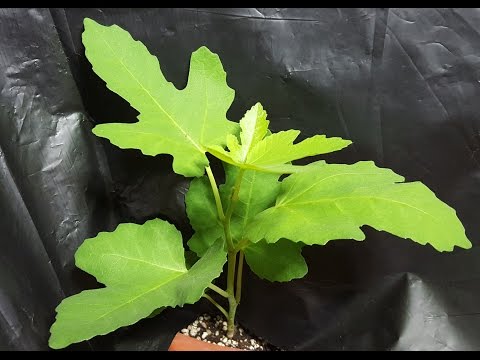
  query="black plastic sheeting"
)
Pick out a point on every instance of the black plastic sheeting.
point(402, 84)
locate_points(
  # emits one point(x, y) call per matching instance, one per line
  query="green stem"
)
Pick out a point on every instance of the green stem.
point(232, 303)
point(218, 306)
point(218, 202)
point(230, 208)
point(234, 197)
point(238, 293)
point(216, 194)
point(218, 290)
point(228, 235)
point(225, 218)
point(232, 256)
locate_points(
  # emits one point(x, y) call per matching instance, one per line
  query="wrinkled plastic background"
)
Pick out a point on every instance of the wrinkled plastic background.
point(403, 84)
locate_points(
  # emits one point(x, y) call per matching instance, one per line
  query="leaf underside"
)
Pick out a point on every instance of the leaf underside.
point(333, 201)
point(143, 268)
point(280, 261)
point(171, 121)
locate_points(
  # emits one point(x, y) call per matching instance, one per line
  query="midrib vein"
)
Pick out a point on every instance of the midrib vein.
point(145, 262)
point(206, 106)
point(319, 182)
point(355, 197)
point(151, 97)
point(140, 295)
point(248, 202)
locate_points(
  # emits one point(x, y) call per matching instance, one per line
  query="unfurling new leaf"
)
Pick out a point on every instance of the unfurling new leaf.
point(271, 153)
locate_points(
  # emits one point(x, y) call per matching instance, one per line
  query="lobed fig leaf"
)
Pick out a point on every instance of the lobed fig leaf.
point(333, 201)
point(181, 123)
point(143, 268)
point(272, 153)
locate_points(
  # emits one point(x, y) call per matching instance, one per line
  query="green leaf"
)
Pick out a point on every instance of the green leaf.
point(171, 121)
point(143, 268)
point(254, 126)
point(202, 212)
point(271, 153)
point(258, 191)
point(281, 261)
point(333, 201)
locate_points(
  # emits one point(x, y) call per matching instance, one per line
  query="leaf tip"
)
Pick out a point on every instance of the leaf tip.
point(53, 341)
point(203, 48)
point(91, 28)
point(464, 244)
point(87, 22)
point(97, 130)
point(53, 345)
point(258, 106)
point(204, 51)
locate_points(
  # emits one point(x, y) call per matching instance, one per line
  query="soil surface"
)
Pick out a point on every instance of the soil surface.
point(213, 329)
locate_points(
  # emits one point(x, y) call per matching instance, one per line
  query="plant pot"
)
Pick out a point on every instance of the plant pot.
point(183, 342)
point(209, 333)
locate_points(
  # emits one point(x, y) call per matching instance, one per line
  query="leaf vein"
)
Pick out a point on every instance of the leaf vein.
point(154, 100)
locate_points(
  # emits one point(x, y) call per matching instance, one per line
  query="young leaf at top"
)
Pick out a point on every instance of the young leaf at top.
point(272, 153)
point(171, 121)
point(333, 201)
point(281, 261)
point(143, 268)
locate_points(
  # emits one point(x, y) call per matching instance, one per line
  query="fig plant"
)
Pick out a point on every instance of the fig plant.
point(253, 217)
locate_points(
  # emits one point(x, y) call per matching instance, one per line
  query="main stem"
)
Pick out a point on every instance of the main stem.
point(225, 217)
point(232, 302)
point(232, 256)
